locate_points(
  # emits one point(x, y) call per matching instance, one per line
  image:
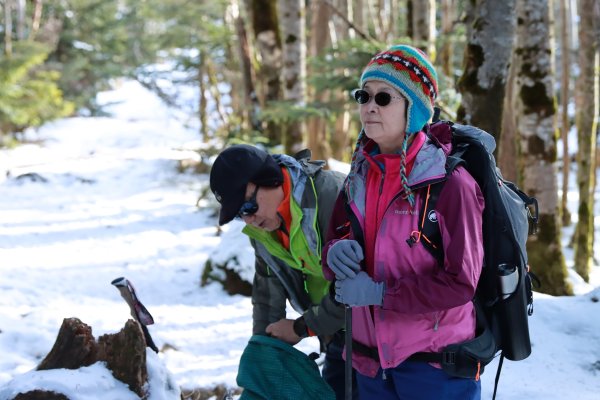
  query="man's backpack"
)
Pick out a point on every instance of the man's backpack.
point(503, 298)
point(273, 369)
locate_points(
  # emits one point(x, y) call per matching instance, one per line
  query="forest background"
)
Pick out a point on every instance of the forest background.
point(279, 73)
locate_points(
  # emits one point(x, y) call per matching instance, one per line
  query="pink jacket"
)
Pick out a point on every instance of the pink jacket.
point(426, 306)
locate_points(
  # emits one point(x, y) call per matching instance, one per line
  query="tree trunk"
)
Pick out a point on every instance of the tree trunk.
point(202, 100)
point(232, 77)
point(213, 84)
point(490, 37)
point(8, 27)
point(341, 126)
point(536, 127)
point(265, 25)
point(587, 111)
point(252, 106)
point(20, 8)
point(294, 68)
point(508, 146)
point(565, 73)
point(319, 40)
point(36, 18)
point(374, 14)
point(423, 26)
point(447, 51)
point(340, 19)
point(359, 11)
point(392, 31)
point(409, 18)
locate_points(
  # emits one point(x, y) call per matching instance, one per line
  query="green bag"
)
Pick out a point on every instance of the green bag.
point(271, 369)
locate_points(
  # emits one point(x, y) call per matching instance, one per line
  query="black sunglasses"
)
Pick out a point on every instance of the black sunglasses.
point(249, 207)
point(382, 99)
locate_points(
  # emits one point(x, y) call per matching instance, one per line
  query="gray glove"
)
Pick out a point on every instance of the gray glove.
point(344, 258)
point(361, 290)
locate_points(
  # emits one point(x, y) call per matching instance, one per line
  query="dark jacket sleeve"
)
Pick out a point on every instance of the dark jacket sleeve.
point(339, 227)
point(268, 298)
point(327, 317)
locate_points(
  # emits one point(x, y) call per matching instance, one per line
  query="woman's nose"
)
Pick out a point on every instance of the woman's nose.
point(372, 106)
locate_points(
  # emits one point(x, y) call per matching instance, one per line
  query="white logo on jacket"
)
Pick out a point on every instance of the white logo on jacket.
point(405, 212)
point(432, 216)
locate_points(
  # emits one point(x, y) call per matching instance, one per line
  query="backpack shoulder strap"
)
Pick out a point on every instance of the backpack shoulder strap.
point(357, 231)
point(429, 230)
point(310, 167)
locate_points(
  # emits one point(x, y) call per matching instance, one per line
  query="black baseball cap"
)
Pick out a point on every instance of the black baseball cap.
point(233, 169)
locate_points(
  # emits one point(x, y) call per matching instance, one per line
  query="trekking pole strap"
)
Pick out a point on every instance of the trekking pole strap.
point(498, 375)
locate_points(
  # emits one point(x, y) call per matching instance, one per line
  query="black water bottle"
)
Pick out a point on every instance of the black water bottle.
point(513, 312)
point(509, 279)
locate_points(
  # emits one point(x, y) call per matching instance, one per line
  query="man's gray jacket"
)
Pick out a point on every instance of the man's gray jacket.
point(275, 281)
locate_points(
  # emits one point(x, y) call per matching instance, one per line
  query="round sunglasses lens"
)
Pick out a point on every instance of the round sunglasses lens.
point(383, 99)
point(361, 96)
point(248, 208)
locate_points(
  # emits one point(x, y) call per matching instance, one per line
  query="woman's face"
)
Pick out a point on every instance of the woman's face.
point(384, 124)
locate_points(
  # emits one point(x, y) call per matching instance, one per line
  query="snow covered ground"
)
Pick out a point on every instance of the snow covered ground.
point(103, 199)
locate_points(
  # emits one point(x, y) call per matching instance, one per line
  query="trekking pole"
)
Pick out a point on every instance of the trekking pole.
point(137, 309)
point(348, 365)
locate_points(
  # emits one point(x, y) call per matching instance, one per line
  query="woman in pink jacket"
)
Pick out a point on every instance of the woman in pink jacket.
point(404, 301)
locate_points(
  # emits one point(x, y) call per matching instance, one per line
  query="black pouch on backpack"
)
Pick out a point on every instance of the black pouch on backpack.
point(468, 359)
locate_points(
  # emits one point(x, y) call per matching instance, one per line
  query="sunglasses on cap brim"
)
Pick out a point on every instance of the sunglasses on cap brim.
point(382, 99)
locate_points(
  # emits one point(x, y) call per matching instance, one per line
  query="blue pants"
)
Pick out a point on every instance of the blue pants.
point(334, 368)
point(414, 380)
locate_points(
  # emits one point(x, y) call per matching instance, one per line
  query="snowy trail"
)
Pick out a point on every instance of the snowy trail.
point(113, 205)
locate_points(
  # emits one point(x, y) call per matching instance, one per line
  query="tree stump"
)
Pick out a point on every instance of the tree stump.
point(231, 280)
point(125, 355)
point(40, 395)
point(75, 347)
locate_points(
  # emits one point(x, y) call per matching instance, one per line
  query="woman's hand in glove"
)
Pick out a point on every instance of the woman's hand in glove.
point(361, 290)
point(344, 258)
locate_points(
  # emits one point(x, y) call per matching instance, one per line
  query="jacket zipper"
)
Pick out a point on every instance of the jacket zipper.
point(436, 321)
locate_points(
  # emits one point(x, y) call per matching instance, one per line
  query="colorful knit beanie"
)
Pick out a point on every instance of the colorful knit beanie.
point(410, 72)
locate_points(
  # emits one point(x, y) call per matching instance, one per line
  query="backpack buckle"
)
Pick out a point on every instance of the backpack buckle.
point(415, 237)
point(449, 357)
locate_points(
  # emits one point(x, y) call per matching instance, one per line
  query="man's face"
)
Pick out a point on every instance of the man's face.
point(268, 200)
